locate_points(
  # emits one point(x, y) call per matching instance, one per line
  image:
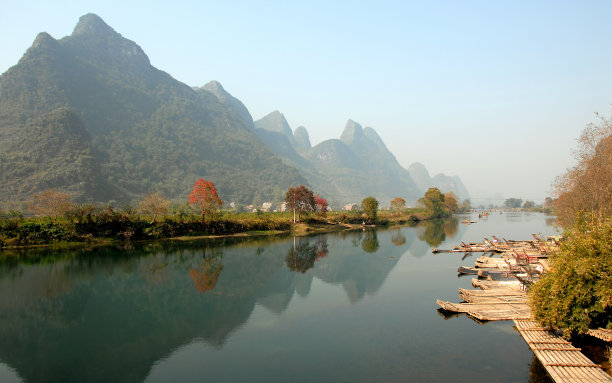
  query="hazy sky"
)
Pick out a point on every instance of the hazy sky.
point(495, 92)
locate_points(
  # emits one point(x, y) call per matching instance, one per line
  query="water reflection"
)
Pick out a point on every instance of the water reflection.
point(109, 313)
point(537, 372)
point(446, 315)
point(450, 226)
point(370, 244)
point(434, 232)
point(397, 238)
point(302, 256)
point(253, 305)
point(206, 275)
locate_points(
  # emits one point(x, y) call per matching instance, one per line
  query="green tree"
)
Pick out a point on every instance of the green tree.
point(182, 211)
point(433, 202)
point(528, 204)
point(577, 293)
point(450, 202)
point(513, 203)
point(369, 205)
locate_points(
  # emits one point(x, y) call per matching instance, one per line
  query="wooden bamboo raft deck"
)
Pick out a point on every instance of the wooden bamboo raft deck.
point(563, 362)
point(486, 285)
point(503, 300)
point(601, 333)
point(492, 296)
point(489, 310)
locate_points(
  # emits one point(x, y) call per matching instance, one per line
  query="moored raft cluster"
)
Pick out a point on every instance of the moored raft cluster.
point(503, 296)
point(500, 300)
point(518, 264)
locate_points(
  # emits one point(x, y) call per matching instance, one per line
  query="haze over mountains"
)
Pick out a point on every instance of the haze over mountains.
point(356, 165)
point(89, 114)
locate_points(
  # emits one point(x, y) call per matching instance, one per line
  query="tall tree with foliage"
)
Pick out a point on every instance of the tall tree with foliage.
point(433, 202)
point(154, 204)
point(51, 203)
point(398, 204)
point(513, 203)
point(450, 202)
point(577, 293)
point(587, 186)
point(204, 196)
point(465, 206)
point(528, 204)
point(369, 206)
point(320, 206)
point(300, 200)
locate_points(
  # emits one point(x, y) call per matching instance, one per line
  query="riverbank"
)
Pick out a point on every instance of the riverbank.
point(113, 227)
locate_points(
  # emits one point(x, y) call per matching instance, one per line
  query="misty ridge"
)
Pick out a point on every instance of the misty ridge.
point(90, 115)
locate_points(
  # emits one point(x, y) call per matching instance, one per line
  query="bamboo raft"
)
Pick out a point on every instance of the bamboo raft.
point(504, 300)
point(537, 247)
point(467, 250)
point(489, 311)
point(480, 271)
point(487, 285)
point(563, 362)
point(601, 333)
point(492, 296)
point(498, 302)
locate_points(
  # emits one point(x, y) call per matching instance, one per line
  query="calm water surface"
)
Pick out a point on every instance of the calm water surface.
point(350, 307)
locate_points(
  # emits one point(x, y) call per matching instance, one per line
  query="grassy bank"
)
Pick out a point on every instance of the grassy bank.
point(115, 225)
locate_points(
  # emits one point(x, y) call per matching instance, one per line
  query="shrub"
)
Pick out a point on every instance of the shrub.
point(577, 294)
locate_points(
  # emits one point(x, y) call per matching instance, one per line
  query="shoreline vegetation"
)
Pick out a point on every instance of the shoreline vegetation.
point(111, 226)
point(63, 223)
point(576, 295)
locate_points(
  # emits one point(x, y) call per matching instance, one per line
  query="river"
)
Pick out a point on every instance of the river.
point(342, 307)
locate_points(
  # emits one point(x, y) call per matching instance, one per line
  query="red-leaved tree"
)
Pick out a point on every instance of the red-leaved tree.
point(299, 199)
point(205, 197)
point(320, 206)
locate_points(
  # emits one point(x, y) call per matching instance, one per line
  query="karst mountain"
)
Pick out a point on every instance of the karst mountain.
point(90, 115)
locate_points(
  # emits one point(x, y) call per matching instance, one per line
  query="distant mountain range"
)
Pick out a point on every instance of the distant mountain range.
point(352, 167)
point(89, 114)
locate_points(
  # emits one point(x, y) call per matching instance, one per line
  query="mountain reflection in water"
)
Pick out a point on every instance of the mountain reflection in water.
point(110, 306)
point(339, 307)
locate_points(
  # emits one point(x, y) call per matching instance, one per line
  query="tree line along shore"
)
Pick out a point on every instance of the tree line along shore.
point(576, 295)
point(55, 219)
